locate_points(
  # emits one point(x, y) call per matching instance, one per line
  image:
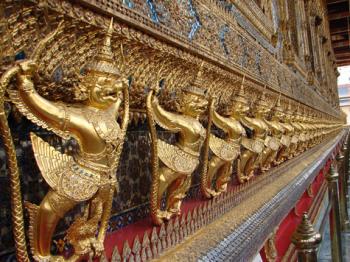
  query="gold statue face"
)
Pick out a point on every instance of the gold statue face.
point(104, 91)
point(279, 114)
point(239, 109)
point(193, 105)
point(288, 116)
point(261, 110)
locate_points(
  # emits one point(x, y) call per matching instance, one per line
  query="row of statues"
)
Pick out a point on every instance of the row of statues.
point(255, 142)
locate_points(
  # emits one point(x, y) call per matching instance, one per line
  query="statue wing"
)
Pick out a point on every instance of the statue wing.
point(176, 159)
point(51, 162)
point(223, 149)
point(23, 108)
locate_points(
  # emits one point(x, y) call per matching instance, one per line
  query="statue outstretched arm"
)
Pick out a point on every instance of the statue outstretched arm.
point(121, 85)
point(165, 119)
point(52, 115)
point(221, 122)
point(247, 122)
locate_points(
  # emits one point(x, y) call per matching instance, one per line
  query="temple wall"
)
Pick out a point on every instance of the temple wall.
point(281, 48)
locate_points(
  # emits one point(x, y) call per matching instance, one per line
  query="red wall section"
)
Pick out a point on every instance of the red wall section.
point(291, 221)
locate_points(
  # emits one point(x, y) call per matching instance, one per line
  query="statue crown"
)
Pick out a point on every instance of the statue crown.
point(240, 97)
point(103, 62)
point(278, 106)
point(195, 90)
point(194, 87)
point(262, 100)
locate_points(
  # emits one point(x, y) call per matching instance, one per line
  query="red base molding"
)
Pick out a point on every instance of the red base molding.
point(310, 202)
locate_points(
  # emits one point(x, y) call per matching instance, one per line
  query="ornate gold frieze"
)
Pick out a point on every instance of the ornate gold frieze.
point(205, 47)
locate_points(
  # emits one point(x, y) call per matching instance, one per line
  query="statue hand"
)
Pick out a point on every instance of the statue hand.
point(98, 247)
point(155, 89)
point(28, 67)
point(125, 83)
point(211, 105)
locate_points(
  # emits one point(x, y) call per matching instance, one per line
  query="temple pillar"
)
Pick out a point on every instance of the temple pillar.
point(335, 226)
point(341, 158)
point(306, 240)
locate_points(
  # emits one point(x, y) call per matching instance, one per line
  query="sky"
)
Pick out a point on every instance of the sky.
point(344, 77)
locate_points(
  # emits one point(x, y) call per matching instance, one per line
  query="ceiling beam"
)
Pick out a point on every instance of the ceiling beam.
point(337, 16)
point(341, 51)
point(343, 60)
point(342, 43)
point(343, 64)
point(331, 2)
point(345, 56)
point(339, 30)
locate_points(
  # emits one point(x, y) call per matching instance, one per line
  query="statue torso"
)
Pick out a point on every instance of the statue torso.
point(105, 134)
point(192, 136)
point(236, 129)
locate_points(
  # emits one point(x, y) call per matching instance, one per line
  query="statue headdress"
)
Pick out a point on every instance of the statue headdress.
point(289, 108)
point(297, 110)
point(262, 100)
point(240, 97)
point(103, 62)
point(195, 85)
point(278, 106)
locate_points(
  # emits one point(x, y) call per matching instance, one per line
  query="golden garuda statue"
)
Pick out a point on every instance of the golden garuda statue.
point(225, 151)
point(317, 121)
point(178, 162)
point(298, 136)
point(287, 140)
point(312, 129)
point(273, 140)
point(304, 135)
point(294, 140)
point(254, 146)
point(88, 175)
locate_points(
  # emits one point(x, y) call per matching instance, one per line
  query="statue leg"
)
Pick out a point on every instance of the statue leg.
point(239, 170)
point(224, 176)
point(264, 162)
point(292, 150)
point(177, 192)
point(299, 148)
point(245, 156)
point(281, 154)
point(214, 167)
point(105, 196)
point(247, 164)
point(81, 233)
point(52, 208)
point(273, 158)
point(167, 177)
point(252, 164)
